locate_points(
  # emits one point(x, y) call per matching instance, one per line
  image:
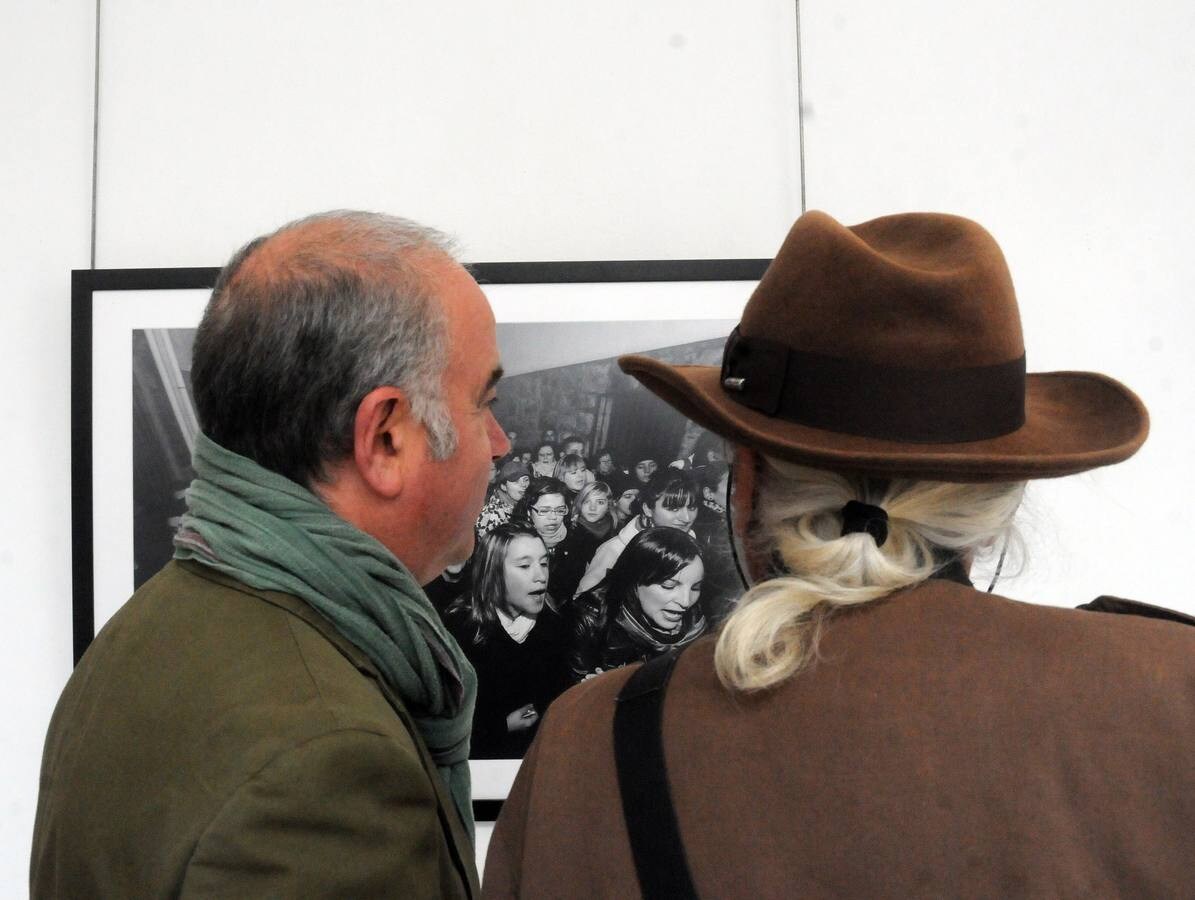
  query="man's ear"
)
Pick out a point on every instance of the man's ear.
point(382, 439)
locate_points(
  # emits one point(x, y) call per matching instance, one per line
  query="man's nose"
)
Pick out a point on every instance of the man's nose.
point(499, 442)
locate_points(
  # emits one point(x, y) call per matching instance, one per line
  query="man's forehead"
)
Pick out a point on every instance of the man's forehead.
point(472, 328)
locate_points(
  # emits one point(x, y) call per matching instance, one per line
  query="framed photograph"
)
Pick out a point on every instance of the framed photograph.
point(600, 471)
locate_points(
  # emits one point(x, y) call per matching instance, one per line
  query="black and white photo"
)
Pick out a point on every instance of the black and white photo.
point(602, 539)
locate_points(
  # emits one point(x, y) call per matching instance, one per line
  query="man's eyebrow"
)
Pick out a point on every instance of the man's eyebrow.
point(491, 382)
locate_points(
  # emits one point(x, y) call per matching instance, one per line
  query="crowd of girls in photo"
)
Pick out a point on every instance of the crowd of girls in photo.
point(582, 566)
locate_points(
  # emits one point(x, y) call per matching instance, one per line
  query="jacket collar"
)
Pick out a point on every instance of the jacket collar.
point(954, 570)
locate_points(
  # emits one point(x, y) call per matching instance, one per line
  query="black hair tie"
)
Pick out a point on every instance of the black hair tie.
point(858, 516)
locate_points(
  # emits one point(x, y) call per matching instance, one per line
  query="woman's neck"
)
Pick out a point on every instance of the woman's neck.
point(600, 528)
point(551, 542)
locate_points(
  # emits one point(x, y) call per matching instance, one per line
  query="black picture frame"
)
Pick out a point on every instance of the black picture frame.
point(89, 284)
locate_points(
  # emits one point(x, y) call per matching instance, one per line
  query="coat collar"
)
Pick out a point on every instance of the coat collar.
point(954, 570)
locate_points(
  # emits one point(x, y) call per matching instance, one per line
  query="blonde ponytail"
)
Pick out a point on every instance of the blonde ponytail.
point(774, 631)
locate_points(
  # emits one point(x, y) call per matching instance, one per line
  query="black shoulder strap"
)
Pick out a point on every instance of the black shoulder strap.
point(643, 783)
point(1124, 607)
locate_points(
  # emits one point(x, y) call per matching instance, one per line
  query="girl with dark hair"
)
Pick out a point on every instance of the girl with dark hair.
point(571, 444)
point(646, 605)
point(509, 630)
point(545, 508)
point(605, 465)
point(543, 465)
point(589, 524)
point(671, 499)
point(644, 469)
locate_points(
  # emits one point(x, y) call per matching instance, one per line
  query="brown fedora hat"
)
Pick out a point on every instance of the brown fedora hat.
point(894, 348)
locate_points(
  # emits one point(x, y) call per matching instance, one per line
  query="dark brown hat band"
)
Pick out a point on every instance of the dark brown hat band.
point(850, 396)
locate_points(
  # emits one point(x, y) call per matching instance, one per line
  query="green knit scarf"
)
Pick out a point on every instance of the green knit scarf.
point(272, 534)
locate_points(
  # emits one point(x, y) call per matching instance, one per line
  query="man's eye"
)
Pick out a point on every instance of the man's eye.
point(492, 402)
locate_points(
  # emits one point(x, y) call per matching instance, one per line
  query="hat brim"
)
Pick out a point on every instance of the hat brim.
point(1074, 421)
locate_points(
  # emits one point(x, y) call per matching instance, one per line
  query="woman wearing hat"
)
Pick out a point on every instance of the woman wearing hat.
point(509, 487)
point(866, 723)
point(624, 497)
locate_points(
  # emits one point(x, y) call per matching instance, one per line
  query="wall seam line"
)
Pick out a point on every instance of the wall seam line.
point(800, 106)
point(95, 134)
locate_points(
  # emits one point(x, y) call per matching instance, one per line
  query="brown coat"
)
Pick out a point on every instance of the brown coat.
point(217, 740)
point(947, 744)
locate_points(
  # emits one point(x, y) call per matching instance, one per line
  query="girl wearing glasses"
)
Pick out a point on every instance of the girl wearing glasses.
point(591, 523)
point(545, 509)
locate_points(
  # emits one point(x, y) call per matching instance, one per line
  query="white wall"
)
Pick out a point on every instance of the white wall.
point(534, 130)
point(46, 64)
point(1066, 128)
point(542, 130)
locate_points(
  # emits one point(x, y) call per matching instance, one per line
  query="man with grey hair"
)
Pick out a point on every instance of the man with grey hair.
point(279, 711)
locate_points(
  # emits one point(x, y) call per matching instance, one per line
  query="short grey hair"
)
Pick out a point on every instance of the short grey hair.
point(305, 322)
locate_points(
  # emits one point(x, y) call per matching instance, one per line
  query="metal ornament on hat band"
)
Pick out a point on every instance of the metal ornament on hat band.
point(852, 396)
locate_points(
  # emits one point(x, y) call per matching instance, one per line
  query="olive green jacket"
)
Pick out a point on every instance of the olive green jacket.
point(217, 740)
